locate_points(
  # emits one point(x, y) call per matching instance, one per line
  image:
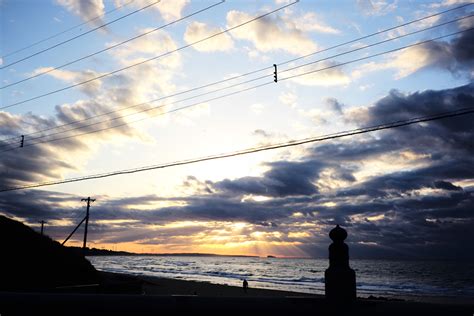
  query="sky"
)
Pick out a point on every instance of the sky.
point(400, 193)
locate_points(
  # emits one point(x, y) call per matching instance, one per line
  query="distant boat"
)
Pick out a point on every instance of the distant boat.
point(271, 256)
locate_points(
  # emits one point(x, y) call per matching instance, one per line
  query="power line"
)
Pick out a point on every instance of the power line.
point(110, 47)
point(380, 32)
point(152, 109)
point(228, 79)
point(394, 124)
point(78, 36)
point(389, 40)
point(150, 59)
point(367, 57)
point(295, 59)
point(67, 30)
point(141, 119)
point(288, 61)
point(218, 97)
point(136, 105)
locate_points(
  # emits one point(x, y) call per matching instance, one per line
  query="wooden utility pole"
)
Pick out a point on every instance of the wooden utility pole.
point(42, 226)
point(88, 200)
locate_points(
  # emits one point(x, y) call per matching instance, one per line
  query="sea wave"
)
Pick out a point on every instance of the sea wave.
point(299, 275)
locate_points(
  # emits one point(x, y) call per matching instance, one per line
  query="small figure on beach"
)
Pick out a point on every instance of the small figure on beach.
point(245, 285)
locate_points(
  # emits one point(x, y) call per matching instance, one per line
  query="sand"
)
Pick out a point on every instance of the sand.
point(142, 295)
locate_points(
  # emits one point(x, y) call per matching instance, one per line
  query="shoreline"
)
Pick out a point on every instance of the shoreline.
point(154, 285)
point(126, 294)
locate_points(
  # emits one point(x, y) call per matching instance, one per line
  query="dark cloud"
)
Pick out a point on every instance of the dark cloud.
point(463, 48)
point(334, 105)
point(445, 185)
point(423, 211)
point(49, 160)
point(284, 178)
point(261, 132)
point(456, 55)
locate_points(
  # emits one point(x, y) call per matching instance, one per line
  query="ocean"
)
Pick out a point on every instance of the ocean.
point(374, 277)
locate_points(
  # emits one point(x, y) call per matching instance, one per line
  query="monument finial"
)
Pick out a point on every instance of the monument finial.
point(338, 234)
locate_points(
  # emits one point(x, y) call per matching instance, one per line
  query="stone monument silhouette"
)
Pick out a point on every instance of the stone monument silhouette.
point(340, 279)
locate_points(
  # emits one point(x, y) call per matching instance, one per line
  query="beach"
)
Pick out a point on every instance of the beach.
point(427, 281)
point(149, 285)
point(122, 294)
point(64, 282)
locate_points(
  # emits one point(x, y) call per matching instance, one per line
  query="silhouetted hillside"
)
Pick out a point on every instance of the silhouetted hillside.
point(34, 262)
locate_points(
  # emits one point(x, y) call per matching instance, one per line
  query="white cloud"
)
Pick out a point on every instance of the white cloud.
point(253, 53)
point(135, 85)
point(197, 31)
point(85, 9)
point(152, 79)
point(148, 46)
point(447, 3)
point(309, 22)
point(74, 77)
point(169, 10)
point(317, 116)
point(288, 98)
point(270, 33)
point(376, 7)
point(409, 61)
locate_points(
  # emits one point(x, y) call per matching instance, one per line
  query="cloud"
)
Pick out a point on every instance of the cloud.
point(447, 3)
point(309, 22)
point(172, 10)
point(152, 79)
point(284, 178)
point(288, 98)
point(420, 209)
point(262, 133)
point(270, 34)
point(169, 10)
point(376, 7)
point(73, 77)
point(102, 98)
point(85, 9)
point(52, 160)
point(456, 56)
point(151, 45)
point(197, 31)
point(335, 105)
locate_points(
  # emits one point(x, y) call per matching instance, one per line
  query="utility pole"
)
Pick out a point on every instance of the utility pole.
point(42, 226)
point(88, 200)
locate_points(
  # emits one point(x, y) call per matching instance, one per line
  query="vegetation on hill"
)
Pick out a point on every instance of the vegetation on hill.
point(32, 262)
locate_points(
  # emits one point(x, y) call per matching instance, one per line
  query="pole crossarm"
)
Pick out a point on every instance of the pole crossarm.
point(88, 200)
